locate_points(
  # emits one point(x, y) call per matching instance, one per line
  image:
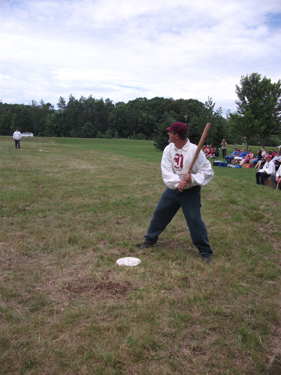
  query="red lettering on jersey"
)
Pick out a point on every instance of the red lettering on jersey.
point(178, 161)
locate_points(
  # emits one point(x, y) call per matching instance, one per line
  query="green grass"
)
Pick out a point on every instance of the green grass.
point(71, 207)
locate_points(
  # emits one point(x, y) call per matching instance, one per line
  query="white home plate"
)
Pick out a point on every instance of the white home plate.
point(129, 261)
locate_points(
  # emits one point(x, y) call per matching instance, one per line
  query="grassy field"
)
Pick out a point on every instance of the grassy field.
point(71, 207)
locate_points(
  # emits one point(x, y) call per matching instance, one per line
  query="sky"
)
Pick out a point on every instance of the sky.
point(127, 49)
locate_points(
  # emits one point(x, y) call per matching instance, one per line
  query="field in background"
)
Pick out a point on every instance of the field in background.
point(72, 207)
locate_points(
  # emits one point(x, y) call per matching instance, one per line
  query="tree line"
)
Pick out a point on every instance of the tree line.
point(140, 118)
point(257, 117)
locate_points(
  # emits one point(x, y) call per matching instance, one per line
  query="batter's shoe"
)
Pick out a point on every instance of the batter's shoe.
point(206, 258)
point(147, 244)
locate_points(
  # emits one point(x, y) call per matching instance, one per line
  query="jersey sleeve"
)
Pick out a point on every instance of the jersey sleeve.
point(202, 171)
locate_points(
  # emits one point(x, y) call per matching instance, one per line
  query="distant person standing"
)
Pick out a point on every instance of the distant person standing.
point(223, 147)
point(17, 137)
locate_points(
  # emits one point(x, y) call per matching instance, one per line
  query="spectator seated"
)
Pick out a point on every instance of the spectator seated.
point(231, 156)
point(277, 165)
point(241, 155)
point(267, 170)
point(277, 159)
point(247, 158)
point(261, 162)
point(256, 159)
point(211, 153)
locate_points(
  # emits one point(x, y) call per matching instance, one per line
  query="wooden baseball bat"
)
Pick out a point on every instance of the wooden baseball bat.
point(200, 145)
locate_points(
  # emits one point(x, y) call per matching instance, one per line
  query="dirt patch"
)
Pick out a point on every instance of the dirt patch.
point(274, 362)
point(105, 289)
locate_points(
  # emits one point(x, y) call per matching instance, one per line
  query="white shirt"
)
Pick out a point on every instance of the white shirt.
point(277, 158)
point(278, 173)
point(175, 162)
point(17, 135)
point(269, 167)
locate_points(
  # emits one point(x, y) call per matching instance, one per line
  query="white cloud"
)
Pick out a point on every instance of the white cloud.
point(128, 49)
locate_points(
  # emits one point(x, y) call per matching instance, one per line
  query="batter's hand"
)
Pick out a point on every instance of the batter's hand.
point(181, 186)
point(187, 178)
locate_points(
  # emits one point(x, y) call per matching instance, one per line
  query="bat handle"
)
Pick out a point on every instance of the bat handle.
point(180, 190)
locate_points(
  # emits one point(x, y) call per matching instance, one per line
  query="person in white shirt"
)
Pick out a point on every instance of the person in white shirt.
point(276, 178)
point(183, 190)
point(267, 170)
point(277, 157)
point(17, 137)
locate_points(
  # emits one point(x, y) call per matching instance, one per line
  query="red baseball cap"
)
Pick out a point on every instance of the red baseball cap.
point(178, 127)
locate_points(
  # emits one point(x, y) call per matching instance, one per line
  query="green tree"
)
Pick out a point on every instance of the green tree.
point(46, 110)
point(72, 117)
point(21, 119)
point(245, 125)
point(103, 110)
point(35, 117)
point(6, 123)
point(38, 115)
point(88, 130)
point(62, 121)
point(119, 120)
point(258, 107)
point(52, 125)
point(198, 122)
point(161, 138)
point(146, 124)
